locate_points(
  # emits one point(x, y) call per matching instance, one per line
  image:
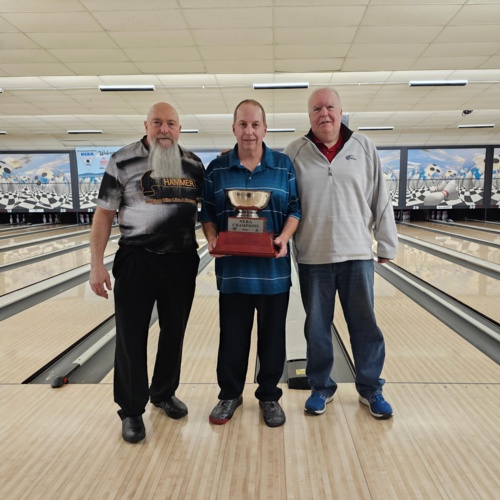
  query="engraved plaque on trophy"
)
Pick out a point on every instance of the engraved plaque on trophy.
point(247, 234)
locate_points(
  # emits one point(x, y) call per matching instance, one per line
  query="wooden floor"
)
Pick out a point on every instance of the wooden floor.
point(443, 442)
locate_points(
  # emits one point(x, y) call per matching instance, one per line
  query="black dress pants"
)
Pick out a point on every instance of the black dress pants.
point(141, 279)
point(236, 313)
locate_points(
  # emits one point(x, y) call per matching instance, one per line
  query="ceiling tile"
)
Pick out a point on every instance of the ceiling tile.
point(152, 39)
point(407, 15)
point(250, 17)
point(477, 14)
point(186, 54)
point(148, 20)
point(306, 51)
point(238, 53)
point(390, 34)
point(318, 16)
point(62, 22)
point(463, 34)
point(317, 65)
point(41, 69)
point(88, 55)
point(73, 40)
point(16, 41)
point(314, 35)
point(233, 37)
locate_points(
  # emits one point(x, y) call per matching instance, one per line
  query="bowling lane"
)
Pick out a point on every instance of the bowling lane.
point(26, 238)
point(26, 229)
point(19, 254)
point(35, 336)
point(419, 347)
point(474, 289)
point(472, 248)
point(15, 279)
point(495, 226)
point(462, 230)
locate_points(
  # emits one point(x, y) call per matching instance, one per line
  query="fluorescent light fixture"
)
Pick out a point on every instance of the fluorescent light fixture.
point(376, 128)
point(126, 88)
point(438, 83)
point(479, 125)
point(84, 131)
point(296, 85)
point(189, 131)
point(274, 130)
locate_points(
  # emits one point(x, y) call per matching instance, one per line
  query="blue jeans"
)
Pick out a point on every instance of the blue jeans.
point(353, 280)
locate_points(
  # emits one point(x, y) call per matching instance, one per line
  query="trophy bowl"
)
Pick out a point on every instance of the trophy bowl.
point(248, 201)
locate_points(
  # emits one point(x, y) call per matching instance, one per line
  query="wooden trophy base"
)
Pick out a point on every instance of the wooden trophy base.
point(245, 244)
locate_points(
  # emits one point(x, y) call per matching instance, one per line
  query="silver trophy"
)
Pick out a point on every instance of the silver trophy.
point(247, 202)
point(246, 233)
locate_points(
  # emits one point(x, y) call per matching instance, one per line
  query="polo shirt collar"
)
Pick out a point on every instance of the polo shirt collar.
point(267, 160)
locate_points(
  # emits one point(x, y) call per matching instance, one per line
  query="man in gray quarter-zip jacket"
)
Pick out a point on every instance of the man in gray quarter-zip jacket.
point(345, 205)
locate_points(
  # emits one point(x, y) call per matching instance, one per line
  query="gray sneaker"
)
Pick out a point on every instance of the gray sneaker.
point(273, 414)
point(224, 410)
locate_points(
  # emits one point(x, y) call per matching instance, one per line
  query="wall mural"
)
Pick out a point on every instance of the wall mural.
point(495, 179)
point(35, 182)
point(91, 163)
point(445, 178)
point(391, 165)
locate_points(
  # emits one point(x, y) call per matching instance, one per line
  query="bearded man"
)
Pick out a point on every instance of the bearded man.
point(155, 185)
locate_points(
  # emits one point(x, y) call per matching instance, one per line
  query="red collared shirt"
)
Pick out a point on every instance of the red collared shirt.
point(330, 153)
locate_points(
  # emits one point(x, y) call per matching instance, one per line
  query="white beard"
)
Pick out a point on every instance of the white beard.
point(165, 162)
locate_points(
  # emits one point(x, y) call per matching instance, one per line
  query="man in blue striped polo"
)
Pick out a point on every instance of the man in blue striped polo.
point(246, 283)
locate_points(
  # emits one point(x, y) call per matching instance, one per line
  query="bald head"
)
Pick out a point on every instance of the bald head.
point(162, 125)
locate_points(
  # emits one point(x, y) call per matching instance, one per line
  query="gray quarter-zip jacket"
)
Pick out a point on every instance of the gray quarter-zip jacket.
point(345, 203)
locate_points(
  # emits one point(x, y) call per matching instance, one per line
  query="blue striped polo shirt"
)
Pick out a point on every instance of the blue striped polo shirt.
point(252, 275)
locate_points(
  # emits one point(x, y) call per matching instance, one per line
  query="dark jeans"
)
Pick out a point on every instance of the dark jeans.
point(141, 278)
point(353, 280)
point(236, 313)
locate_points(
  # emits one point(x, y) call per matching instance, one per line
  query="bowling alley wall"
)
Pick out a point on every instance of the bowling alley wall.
point(67, 182)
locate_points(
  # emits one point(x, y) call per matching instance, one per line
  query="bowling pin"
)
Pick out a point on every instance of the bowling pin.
point(439, 187)
point(59, 188)
point(434, 199)
point(467, 184)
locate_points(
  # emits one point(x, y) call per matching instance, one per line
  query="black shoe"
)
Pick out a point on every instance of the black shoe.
point(273, 414)
point(224, 410)
point(173, 407)
point(133, 429)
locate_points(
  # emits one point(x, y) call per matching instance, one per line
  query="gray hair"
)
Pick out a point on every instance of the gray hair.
point(329, 89)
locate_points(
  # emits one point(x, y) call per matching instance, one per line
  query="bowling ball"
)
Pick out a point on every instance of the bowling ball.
point(48, 180)
point(8, 181)
point(89, 183)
